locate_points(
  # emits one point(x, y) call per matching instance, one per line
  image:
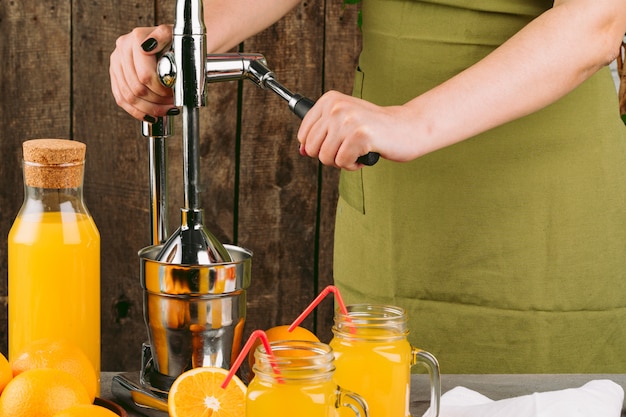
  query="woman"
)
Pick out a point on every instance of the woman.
point(497, 216)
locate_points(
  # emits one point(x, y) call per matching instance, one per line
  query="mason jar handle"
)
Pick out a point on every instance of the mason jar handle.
point(352, 401)
point(431, 363)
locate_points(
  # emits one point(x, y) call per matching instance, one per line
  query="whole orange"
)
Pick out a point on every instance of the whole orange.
point(84, 410)
point(5, 372)
point(41, 393)
point(281, 333)
point(57, 354)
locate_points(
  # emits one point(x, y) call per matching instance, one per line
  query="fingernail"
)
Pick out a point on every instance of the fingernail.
point(149, 44)
point(175, 111)
point(149, 119)
point(302, 150)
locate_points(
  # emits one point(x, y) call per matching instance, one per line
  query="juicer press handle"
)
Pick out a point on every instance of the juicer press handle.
point(261, 75)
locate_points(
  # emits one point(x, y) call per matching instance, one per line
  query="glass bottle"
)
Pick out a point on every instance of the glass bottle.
point(54, 253)
point(298, 381)
point(374, 358)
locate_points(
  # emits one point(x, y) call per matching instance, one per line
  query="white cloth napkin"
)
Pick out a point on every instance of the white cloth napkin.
point(598, 398)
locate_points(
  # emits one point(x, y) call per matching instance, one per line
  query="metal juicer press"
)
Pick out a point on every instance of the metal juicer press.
point(194, 287)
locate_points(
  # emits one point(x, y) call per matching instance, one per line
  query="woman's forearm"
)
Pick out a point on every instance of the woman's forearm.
point(542, 63)
point(230, 22)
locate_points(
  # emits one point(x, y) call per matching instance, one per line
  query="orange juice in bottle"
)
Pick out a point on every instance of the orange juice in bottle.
point(374, 358)
point(298, 382)
point(54, 253)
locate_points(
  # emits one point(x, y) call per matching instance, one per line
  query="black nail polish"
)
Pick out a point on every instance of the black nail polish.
point(174, 111)
point(149, 44)
point(149, 119)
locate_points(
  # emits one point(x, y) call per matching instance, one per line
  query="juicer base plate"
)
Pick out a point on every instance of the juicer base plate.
point(128, 391)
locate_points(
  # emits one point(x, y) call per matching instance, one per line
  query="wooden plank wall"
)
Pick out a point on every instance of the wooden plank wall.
point(257, 191)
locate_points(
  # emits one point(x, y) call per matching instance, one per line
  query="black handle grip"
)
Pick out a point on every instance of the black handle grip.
point(369, 158)
point(301, 107)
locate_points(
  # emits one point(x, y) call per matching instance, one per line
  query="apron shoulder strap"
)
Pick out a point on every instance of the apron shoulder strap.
point(621, 70)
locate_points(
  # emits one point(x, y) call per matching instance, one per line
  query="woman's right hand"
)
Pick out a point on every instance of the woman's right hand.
point(134, 80)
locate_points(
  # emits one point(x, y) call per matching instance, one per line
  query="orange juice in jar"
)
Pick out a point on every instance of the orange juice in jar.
point(374, 358)
point(298, 382)
point(54, 253)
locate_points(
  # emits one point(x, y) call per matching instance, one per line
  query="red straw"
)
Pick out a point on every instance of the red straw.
point(260, 334)
point(314, 303)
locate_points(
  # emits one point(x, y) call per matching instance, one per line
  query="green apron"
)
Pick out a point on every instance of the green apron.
point(508, 250)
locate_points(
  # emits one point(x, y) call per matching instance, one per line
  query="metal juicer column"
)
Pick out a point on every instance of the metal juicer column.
point(189, 45)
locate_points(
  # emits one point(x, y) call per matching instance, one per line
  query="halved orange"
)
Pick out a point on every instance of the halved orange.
point(198, 393)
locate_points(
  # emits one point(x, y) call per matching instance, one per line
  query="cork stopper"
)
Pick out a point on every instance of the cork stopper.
point(53, 163)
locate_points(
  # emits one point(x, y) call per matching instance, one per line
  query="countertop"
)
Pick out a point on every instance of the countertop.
point(495, 387)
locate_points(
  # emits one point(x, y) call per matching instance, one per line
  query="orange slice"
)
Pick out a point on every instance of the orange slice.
point(198, 393)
